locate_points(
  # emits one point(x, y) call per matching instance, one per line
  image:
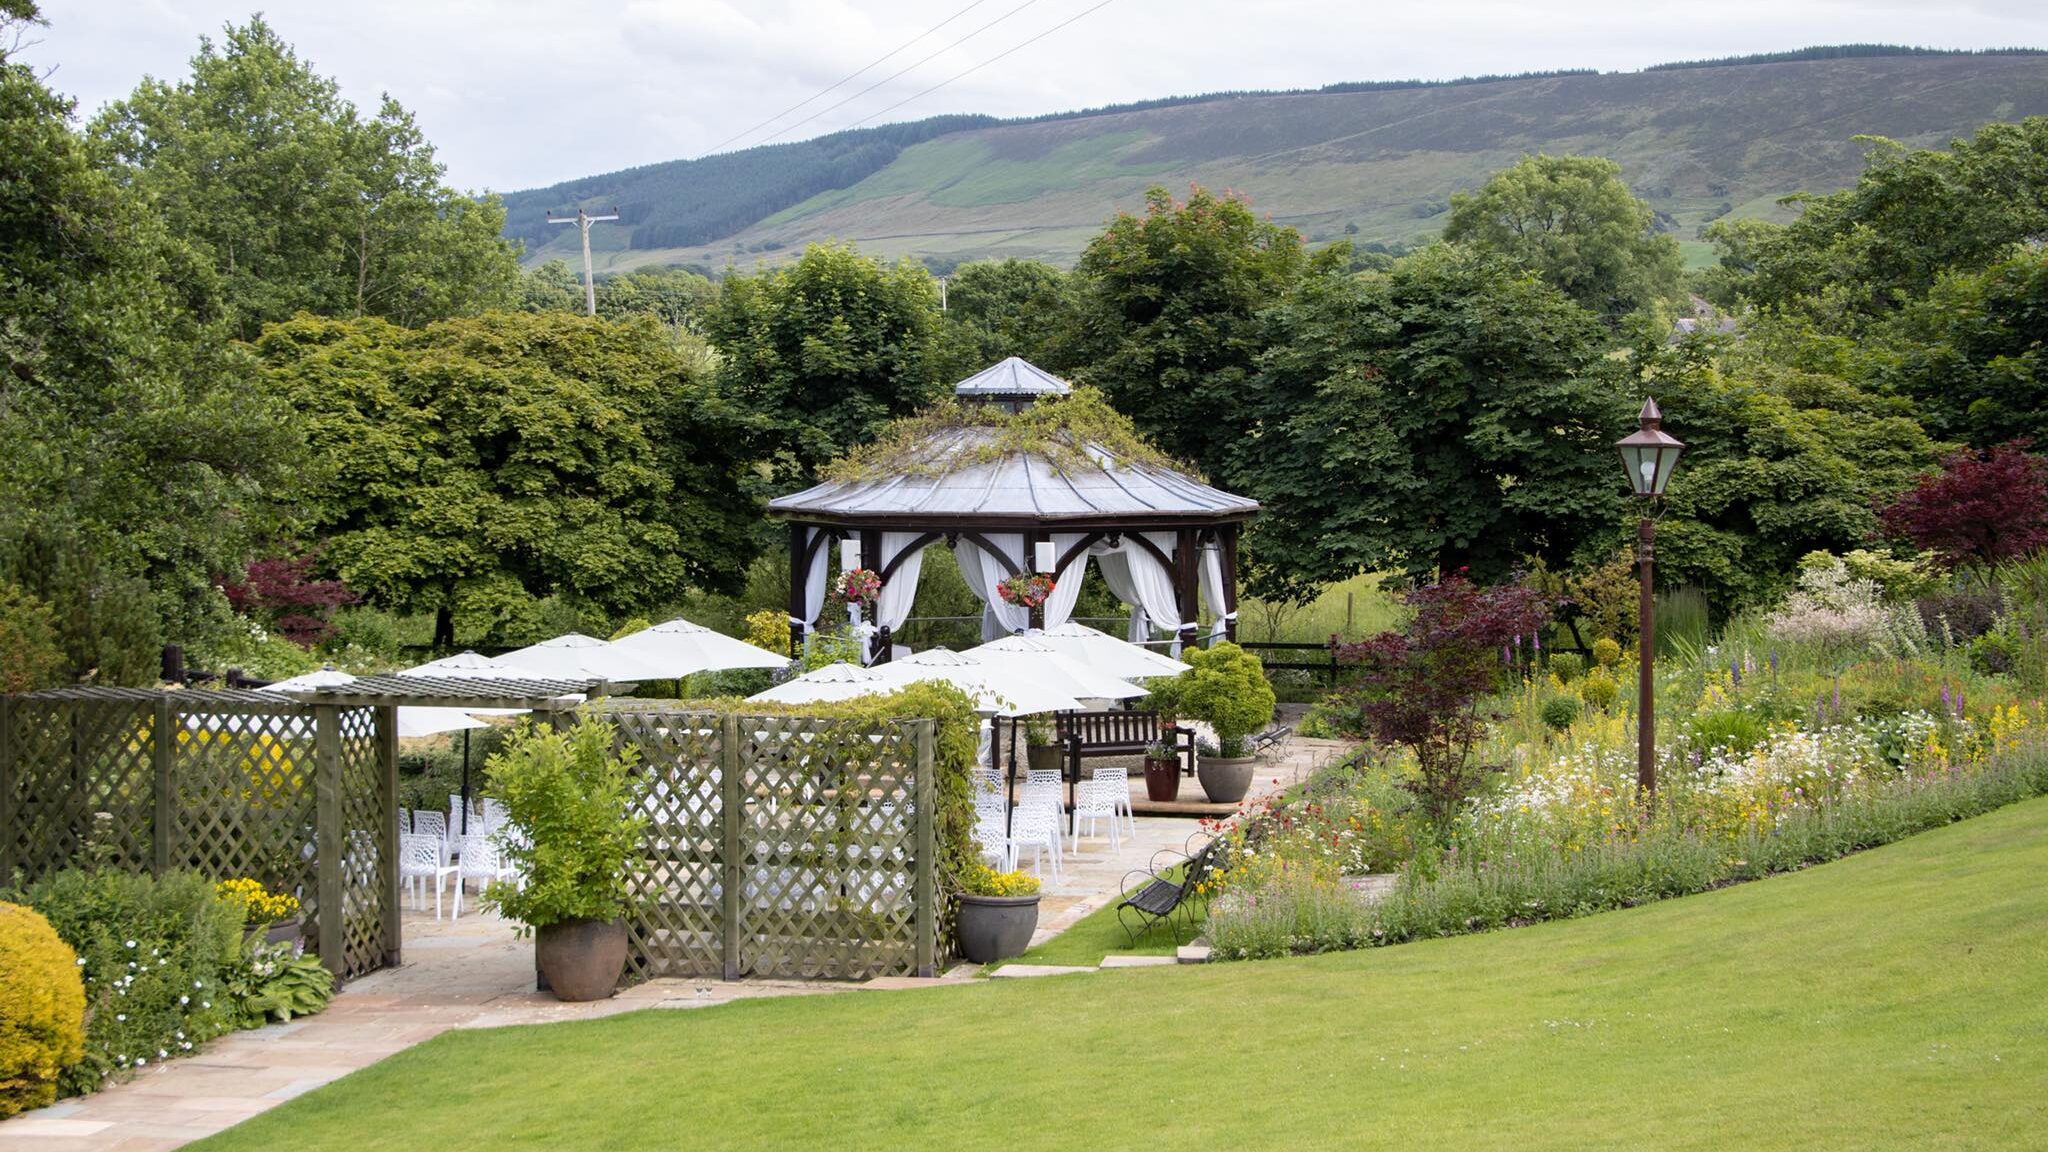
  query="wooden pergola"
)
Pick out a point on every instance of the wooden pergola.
point(963, 488)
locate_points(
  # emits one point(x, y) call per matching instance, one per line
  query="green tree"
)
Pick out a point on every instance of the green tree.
point(1573, 220)
point(1166, 316)
point(300, 202)
point(471, 466)
point(1973, 355)
point(135, 465)
point(824, 352)
point(1451, 413)
point(1778, 463)
point(1000, 308)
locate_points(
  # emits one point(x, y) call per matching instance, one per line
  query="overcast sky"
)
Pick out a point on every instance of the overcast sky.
point(521, 94)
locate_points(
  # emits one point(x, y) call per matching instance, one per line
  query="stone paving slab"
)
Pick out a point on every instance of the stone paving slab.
point(1126, 960)
point(1032, 971)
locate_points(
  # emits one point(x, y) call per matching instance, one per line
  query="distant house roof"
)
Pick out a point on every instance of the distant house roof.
point(961, 486)
point(1015, 376)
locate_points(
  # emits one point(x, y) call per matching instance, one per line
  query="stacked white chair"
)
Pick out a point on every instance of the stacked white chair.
point(481, 861)
point(422, 858)
point(1038, 828)
point(1094, 802)
point(1121, 779)
point(425, 823)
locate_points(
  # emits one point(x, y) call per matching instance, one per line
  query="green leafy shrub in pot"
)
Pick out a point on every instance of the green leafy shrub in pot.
point(42, 1010)
point(1561, 712)
point(153, 953)
point(568, 798)
point(1226, 688)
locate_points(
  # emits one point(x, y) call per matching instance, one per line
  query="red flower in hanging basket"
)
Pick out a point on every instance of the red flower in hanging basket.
point(1026, 591)
point(861, 587)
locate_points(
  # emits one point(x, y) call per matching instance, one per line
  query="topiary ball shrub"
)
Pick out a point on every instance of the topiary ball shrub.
point(1599, 690)
point(1561, 712)
point(42, 1010)
point(1224, 687)
point(1567, 666)
point(1606, 652)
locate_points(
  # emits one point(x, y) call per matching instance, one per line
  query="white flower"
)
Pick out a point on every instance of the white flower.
point(183, 1000)
point(139, 1061)
point(120, 1016)
point(81, 961)
point(131, 943)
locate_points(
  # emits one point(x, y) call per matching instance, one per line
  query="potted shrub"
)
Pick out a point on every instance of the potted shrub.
point(572, 836)
point(998, 913)
point(1040, 749)
point(1225, 686)
point(1162, 773)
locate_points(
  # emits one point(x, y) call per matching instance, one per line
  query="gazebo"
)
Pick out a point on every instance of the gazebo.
point(1023, 475)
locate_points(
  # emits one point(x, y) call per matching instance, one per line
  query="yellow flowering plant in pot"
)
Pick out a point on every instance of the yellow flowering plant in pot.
point(998, 913)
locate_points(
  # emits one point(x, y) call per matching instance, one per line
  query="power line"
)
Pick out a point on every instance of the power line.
point(899, 72)
point(983, 64)
point(844, 79)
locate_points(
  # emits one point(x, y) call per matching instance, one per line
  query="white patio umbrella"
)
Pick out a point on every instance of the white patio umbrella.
point(681, 648)
point(413, 723)
point(1000, 688)
point(579, 657)
point(1050, 667)
point(840, 681)
point(468, 666)
point(1106, 653)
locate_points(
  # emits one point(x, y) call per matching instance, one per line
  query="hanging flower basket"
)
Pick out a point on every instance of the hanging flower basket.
point(861, 587)
point(1026, 591)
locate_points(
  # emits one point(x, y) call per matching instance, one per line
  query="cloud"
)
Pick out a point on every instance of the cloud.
point(517, 94)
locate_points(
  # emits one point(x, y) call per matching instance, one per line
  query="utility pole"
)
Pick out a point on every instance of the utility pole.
point(583, 220)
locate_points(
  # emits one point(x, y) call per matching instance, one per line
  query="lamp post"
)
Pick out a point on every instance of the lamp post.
point(1649, 455)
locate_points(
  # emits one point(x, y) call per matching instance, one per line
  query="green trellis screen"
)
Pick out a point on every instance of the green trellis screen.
point(224, 783)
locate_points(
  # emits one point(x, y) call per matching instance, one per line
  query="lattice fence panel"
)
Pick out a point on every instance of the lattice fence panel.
point(828, 849)
point(72, 760)
point(363, 813)
point(243, 797)
point(676, 930)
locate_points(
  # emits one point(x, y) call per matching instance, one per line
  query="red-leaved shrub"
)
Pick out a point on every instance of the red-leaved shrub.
point(1981, 508)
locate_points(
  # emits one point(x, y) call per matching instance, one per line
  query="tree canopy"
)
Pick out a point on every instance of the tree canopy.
point(1573, 220)
point(474, 465)
point(300, 202)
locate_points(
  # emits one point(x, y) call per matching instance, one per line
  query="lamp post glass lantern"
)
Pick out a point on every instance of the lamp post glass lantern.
point(1649, 455)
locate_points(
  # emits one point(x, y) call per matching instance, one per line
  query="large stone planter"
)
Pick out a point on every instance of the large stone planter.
point(282, 932)
point(582, 959)
point(1162, 780)
point(996, 927)
point(1226, 779)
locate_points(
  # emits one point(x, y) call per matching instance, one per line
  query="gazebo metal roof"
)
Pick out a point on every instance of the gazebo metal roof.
point(1014, 376)
point(955, 487)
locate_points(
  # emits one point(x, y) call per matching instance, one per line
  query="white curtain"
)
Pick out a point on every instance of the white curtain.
point(1212, 591)
point(814, 583)
point(1153, 583)
point(983, 572)
point(1116, 572)
point(1066, 586)
point(899, 591)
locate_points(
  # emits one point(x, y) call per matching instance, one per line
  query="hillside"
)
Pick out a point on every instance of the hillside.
point(1378, 164)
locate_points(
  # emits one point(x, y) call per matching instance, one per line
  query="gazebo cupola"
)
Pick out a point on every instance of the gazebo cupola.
point(1023, 474)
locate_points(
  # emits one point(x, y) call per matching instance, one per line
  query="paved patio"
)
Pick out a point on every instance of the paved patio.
point(475, 973)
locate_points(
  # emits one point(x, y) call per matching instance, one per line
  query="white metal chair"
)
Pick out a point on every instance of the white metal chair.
point(1121, 779)
point(480, 861)
point(425, 823)
point(422, 858)
point(1041, 794)
point(1038, 829)
point(1095, 801)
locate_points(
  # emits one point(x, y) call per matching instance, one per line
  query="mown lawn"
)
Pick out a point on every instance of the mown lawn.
point(1098, 934)
point(1897, 999)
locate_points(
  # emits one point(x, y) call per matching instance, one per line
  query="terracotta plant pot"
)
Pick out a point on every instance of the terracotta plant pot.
point(996, 927)
point(582, 959)
point(1162, 780)
point(1226, 779)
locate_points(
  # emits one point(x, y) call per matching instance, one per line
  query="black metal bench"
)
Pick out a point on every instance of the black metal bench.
point(1160, 899)
point(1271, 740)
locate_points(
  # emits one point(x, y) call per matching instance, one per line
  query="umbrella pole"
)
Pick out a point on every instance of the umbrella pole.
point(465, 782)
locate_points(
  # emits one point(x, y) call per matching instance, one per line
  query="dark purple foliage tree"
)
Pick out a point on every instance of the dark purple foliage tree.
point(1421, 687)
point(1981, 508)
point(283, 595)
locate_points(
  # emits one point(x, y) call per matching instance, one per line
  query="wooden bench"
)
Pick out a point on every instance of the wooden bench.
point(1118, 733)
point(1162, 899)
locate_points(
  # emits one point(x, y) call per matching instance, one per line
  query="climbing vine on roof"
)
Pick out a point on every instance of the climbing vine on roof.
point(1057, 428)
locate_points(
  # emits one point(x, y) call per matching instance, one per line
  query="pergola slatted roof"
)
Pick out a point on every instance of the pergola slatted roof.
point(448, 692)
